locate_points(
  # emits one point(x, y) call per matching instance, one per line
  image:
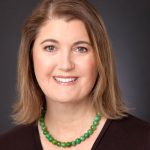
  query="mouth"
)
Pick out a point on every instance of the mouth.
point(64, 80)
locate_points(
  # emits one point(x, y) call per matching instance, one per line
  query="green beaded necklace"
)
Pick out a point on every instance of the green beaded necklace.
point(77, 141)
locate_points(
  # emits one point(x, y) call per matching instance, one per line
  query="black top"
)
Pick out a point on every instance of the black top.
point(129, 133)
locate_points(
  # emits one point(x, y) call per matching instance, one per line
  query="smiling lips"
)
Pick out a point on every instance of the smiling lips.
point(65, 80)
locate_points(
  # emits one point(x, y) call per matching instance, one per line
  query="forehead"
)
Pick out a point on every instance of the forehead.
point(61, 29)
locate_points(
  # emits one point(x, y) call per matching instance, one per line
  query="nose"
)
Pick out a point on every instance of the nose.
point(65, 62)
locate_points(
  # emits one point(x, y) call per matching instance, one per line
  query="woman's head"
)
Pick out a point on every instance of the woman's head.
point(64, 61)
point(105, 92)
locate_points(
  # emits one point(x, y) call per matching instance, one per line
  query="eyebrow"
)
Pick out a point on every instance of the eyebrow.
point(76, 43)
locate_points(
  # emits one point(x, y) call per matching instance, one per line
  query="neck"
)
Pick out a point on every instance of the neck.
point(68, 117)
point(68, 112)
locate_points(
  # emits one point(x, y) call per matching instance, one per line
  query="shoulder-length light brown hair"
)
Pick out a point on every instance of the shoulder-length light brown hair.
point(105, 94)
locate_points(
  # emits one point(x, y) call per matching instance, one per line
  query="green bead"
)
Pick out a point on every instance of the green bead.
point(42, 124)
point(86, 135)
point(49, 137)
point(45, 132)
point(43, 128)
point(82, 138)
point(68, 144)
point(78, 141)
point(93, 127)
point(73, 143)
point(97, 118)
point(63, 144)
point(42, 120)
point(42, 115)
point(54, 142)
point(95, 122)
point(58, 143)
point(90, 132)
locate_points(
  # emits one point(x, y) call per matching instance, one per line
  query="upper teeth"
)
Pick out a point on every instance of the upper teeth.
point(65, 79)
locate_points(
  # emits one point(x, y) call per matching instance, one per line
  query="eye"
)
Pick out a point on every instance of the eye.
point(82, 49)
point(49, 48)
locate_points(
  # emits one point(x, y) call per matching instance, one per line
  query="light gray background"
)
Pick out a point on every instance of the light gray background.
point(128, 25)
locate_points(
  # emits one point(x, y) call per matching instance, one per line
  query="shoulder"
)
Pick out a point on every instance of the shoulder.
point(18, 137)
point(17, 132)
point(131, 129)
point(133, 123)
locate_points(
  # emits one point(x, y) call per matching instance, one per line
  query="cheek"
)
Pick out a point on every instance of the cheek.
point(43, 68)
point(38, 63)
point(89, 68)
point(91, 72)
point(41, 64)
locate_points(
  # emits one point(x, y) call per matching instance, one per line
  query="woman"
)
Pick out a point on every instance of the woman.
point(68, 92)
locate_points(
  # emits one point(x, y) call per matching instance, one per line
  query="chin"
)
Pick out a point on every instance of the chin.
point(65, 100)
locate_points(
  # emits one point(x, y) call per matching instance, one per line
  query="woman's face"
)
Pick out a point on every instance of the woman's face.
point(64, 61)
